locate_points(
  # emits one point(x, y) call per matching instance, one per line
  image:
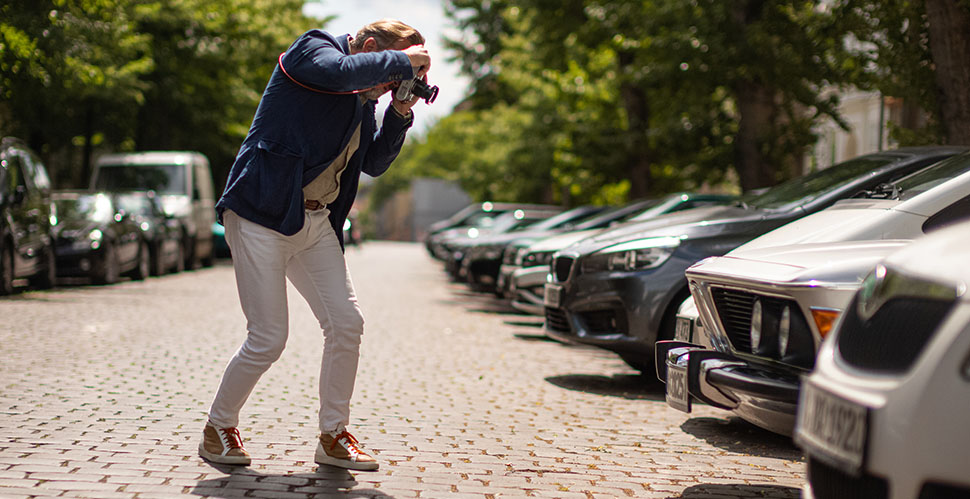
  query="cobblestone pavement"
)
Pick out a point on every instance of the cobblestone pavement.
point(104, 390)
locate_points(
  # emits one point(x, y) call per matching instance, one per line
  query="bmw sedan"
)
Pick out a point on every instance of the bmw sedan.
point(769, 307)
point(620, 290)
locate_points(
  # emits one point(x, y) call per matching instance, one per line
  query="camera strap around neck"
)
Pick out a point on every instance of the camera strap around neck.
point(294, 80)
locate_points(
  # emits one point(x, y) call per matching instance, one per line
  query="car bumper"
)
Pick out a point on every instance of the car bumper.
point(759, 394)
point(526, 289)
point(618, 311)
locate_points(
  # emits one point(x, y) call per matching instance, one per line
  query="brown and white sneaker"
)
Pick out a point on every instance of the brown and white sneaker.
point(223, 446)
point(343, 451)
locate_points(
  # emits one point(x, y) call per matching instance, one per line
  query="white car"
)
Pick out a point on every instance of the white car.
point(769, 303)
point(884, 413)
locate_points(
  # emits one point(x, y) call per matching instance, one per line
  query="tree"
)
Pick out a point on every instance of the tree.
point(916, 51)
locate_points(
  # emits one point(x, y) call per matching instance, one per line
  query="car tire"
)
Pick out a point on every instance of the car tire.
point(108, 271)
point(6, 271)
point(157, 263)
point(179, 264)
point(47, 277)
point(144, 263)
point(191, 258)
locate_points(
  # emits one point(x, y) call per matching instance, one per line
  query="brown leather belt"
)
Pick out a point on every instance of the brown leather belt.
point(313, 205)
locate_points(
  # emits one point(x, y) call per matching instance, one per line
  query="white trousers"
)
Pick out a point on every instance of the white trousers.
point(312, 259)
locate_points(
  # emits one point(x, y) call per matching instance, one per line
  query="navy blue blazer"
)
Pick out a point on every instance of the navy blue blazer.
point(297, 133)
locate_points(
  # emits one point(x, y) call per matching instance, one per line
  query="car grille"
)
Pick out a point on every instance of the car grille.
point(556, 320)
point(892, 339)
point(734, 309)
point(831, 483)
point(561, 267)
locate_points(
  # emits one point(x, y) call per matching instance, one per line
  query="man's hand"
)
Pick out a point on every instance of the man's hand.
point(420, 59)
point(403, 106)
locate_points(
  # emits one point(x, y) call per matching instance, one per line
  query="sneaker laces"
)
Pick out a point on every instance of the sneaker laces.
point(351, 444)
point(230, 437)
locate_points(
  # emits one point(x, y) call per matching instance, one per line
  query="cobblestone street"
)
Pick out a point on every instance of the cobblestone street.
point(104, 392)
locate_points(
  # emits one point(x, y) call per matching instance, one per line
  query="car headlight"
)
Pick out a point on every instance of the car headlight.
point(538, 258)
point(93, 241)
point(632, 255)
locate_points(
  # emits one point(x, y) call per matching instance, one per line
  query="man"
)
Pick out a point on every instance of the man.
point(287, 196)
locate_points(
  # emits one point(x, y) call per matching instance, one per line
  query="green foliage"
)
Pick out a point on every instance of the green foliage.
point(137, 74)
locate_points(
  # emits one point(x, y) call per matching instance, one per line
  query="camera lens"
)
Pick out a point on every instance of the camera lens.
point(424, 91)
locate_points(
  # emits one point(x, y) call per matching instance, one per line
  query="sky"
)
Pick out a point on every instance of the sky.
point(428, 17)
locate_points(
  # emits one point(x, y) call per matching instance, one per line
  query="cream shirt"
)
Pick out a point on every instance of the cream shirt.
point(326, 186)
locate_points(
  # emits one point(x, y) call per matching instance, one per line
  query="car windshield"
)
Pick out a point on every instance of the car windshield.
point(618, 214)
point(164, 179)
point(96, 208)
point(136, 205)
point(932, 176)
point(563, 219)
point(801, 190)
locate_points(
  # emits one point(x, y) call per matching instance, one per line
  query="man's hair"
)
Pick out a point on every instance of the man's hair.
point(386, 32)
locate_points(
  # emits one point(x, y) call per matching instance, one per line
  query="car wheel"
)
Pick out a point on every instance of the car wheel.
point(143, 267)
point(157, 260)
point(109, 269)
point(47, 276)
point(6, 271)
point(640, 362)
point(210, 258)
point(179, 264)
point(191, 257)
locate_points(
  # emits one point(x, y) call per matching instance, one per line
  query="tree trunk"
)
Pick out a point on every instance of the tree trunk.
point(638, 124)
point(949, 26)
point(756, 107)
point(88, 150)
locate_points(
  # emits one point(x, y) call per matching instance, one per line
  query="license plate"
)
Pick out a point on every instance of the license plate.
point(677, 396)
point(832, 426)
point(683, 329)
point(552, 295)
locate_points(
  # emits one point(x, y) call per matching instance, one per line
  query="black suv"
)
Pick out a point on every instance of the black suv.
point(26, 216)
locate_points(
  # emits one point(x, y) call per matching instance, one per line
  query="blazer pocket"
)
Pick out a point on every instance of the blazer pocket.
point(276, 172)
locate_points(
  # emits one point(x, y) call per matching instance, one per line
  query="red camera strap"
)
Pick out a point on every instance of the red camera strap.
point(294, 80)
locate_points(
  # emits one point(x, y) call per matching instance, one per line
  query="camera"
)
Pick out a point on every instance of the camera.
point(418, 87)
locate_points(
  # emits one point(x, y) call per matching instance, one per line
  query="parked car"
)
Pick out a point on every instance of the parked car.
point(473, 215)
point(483, 260)
point(884, 412)
point(26, 218)
point(96, 240)
point(159, 230)
point(620, 290)
point(526, 265)
point(183, 181)
point(455, 243)
point(769, 307)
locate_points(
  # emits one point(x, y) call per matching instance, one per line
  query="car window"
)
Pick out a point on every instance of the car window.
point(955, 212)
point(932, 176)
point(95, 208)
point(136, 205)
point(163, 179)
point(801, 190)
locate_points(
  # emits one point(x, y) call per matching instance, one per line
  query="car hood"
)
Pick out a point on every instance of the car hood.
point(698, 222)
point(560, 241)
point(807, 264)
point(75, 228)
point(855, 219)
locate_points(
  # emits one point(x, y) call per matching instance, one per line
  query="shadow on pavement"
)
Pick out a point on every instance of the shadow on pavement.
point(524, 336)
point(737, 435)
point(628, 386)
point(245, 482)
point(739, 490)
